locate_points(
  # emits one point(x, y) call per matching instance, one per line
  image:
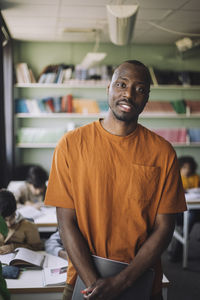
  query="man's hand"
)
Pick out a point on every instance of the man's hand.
point(6, 249)
point(146, 257)
point(107, 288)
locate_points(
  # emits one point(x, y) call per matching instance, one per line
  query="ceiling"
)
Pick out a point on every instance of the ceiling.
point(46, 20)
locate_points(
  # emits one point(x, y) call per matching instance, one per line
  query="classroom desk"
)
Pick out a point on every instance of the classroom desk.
point(29, 286)
point(45, 218)
point(46, 223)
point(184, 238)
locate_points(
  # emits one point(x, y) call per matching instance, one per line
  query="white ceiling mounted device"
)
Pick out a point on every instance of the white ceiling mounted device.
point(186, 44)
point(93, 58)
point(121, 21)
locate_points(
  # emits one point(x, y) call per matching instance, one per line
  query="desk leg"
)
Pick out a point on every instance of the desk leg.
point(185, 238)
point(164, 293)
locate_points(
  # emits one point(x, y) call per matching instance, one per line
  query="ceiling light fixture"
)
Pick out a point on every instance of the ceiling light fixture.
point(121, 21)
point(93, 58)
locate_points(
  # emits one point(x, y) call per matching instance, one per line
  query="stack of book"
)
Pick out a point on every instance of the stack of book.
point(194, 135)
point(24, 74)
point(158, 107)
point(174, 135)
point(56, 73)
point(193, 106)
point(63, 104)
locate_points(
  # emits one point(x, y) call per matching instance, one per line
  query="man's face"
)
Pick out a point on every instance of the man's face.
point(128, 92)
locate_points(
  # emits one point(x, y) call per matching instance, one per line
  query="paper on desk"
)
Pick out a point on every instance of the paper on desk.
point(192, 197)
point(194, 191)
point(54, 276)
point(30, 212)
point(54, 271)
point(56, 261)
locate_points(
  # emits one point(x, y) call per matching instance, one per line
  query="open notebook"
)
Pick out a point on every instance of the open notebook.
point(140, 290)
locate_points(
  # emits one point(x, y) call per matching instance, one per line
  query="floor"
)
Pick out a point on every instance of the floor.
point(185, 283)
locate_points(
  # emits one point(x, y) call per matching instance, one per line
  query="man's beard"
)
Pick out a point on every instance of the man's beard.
point(125, 117)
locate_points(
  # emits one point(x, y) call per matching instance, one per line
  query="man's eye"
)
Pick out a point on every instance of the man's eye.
point(140, 90)
point(121, 84)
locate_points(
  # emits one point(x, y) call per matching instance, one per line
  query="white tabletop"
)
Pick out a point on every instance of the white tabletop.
point(33, 279)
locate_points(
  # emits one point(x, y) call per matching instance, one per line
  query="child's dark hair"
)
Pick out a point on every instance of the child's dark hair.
point(37, 176)
point(188, 160)
point(7, 203)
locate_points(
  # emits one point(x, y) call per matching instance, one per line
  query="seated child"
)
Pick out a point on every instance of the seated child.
point(188, 168)
point(4, 294)
point(190, 180)
point(54, 246)
point(21, 233)
point(32, 190)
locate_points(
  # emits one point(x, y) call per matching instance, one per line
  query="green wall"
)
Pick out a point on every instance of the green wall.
point(40, 54)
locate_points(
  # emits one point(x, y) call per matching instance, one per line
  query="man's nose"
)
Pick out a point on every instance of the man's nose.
point(129, 92)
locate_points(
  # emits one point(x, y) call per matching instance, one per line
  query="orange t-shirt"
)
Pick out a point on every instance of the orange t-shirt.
point(117, 185)
point(190, 182)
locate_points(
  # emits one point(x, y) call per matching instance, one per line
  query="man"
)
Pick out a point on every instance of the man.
point(117, 187)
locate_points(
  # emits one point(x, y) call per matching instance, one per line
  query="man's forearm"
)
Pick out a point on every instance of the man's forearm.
point(148, 254)
point(76, 246)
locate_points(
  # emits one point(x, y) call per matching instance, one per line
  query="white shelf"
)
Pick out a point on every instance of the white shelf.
point(190, 145)
point(169, 116)
point(98, 115)
point(71, 84)
point(53, 145)
point(99, 84)
point(36, 145)
point(60, 115)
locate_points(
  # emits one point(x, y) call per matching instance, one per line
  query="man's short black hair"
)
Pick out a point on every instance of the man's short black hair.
point(8, 203)
point(139, 64)
point(37, 176)
point(188, 160)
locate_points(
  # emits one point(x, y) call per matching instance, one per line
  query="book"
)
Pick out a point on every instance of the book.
point(140, 290)
point(22, 73)
point(158, 107)
point(55, 276)
point(179, 106)
point(173, 135)
point(21, 106)
point(193, 105)
point(69, 103)
point(23, 257)
point(85, 106)
point(64, 103)
point(153, 76)
point(194, 135)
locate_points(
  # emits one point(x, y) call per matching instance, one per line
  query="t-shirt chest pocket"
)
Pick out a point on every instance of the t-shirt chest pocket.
point(143, 183)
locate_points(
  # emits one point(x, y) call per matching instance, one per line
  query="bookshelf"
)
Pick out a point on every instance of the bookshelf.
point(42, 152)
point(97, 90)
